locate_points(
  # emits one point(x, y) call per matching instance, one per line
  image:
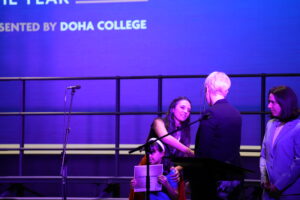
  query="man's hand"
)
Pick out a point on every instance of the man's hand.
point(271, 189)
point(266, 185)
point(274, 191)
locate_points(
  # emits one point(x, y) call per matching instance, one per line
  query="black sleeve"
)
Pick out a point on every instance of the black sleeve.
point(205, 136)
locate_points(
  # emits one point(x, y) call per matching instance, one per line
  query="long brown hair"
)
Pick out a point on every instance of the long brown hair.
point(170, 121)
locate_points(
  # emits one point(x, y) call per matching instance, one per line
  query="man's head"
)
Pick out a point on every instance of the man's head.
point(216, 86)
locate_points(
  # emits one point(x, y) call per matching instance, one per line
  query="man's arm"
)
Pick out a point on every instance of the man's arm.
point(205, 135)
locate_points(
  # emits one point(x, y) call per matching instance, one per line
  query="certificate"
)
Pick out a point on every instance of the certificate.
point(140, 177)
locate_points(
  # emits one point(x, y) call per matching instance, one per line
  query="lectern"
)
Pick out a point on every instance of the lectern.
point(204, 175)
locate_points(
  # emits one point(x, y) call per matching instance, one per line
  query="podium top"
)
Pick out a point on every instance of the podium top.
point(195, 166)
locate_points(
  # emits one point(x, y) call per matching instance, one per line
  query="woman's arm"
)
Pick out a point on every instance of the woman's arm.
point(160, 129)
point(262, 162)
point(292, 173)
point(262, 165)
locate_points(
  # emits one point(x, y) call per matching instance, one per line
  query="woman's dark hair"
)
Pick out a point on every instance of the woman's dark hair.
point(170, 122)
point(288, 102)
point(153, 147)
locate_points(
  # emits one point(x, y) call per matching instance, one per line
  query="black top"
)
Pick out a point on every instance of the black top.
point(219, 136)
point(170, 151)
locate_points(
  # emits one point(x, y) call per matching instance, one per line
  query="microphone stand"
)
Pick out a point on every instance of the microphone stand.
point(63, 168)
point(148, 143)
point(147, 151)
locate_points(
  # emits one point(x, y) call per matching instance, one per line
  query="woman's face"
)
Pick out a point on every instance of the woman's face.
point(274, 106)
point(182, 111)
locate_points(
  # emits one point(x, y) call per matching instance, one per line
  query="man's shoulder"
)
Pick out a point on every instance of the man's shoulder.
point(223, 106)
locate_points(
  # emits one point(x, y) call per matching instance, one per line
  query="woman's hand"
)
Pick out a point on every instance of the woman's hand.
point(172, 192)
point(189, 152)
point(175, 176)
point(163, 180)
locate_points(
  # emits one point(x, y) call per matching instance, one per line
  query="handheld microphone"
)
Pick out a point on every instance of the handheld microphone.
point(74, 87)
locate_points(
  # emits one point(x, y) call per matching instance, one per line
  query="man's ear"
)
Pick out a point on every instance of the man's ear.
point(207, 90)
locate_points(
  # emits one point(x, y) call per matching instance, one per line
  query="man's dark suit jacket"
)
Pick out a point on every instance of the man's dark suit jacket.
point(219, 136)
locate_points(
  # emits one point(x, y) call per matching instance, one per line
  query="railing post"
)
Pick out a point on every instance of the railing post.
point(117, 125)
point(262, 106)
point(159, 96)
point(23, 109)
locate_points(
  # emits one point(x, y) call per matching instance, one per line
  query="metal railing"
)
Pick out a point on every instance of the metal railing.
point(23, 113)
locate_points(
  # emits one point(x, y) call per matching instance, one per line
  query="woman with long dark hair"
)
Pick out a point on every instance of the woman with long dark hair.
point(280, 154)
point(178, 115)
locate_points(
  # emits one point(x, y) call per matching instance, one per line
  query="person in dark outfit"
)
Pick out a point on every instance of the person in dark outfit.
point(178, 116)
point(219, 138)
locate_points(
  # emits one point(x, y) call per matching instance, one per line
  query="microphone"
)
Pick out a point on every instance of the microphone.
point(74, 87)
